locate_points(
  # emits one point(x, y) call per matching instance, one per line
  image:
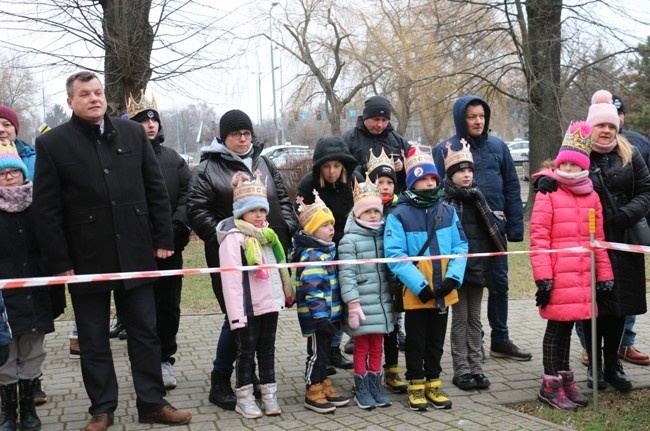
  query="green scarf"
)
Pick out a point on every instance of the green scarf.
point(423, 198)
point(255, 238)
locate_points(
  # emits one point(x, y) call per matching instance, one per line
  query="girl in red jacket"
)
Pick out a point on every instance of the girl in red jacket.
point(561, 220)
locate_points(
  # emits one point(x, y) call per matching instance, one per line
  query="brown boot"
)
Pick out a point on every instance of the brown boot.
point(333, 396)
point(168, 415)
point(315, 399)
point(99, 422)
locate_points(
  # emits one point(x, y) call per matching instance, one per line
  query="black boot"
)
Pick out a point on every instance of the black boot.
point(339, 360)
point(118, 326)
point(221, 393)
point(615, 376)
point(9, 403)
point(29, 421)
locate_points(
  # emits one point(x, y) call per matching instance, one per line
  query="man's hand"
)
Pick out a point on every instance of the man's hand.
point(162, 253)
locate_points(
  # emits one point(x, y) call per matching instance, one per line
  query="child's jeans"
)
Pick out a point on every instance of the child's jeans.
point(258, 337)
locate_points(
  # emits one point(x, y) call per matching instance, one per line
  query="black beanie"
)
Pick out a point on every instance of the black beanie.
point(145, 115)
point(377, 106)
point(234, 121)
point(618, 102)
point(382, 171)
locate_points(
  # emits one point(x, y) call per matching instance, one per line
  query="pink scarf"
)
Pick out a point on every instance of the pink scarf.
point(603, 148)
point(577, 186)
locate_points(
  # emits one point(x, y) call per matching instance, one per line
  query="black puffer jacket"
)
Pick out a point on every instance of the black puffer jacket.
point(210, 197)
point(630, 186)
point(29, 308)
point(176, 174)
point(360, 141)
point(337, 196)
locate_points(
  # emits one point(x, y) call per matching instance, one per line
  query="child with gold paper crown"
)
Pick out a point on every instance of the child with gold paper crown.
point(422, 224)
point(253, 298)
point(561, 220)
point(318, 296)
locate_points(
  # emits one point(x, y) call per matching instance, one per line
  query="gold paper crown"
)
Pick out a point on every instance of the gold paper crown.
point(8, 149)
point(578, 138)
point(244, 187)
point(456, 157)
point(306, 212)
point(417, 157)
point(135, 108)
point(365, 190)
point(383, 160)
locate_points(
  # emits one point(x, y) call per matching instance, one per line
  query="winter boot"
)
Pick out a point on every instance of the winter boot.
point(570, 389)
point(315, 399)
point(615, 376)
point(270, 399)
point(333, 396)
point(40, 397)
point(349, 346)
point(221, 393)
point(552, 393)
point(602, 384)
point(362, 395)
point(417, 399)
point(9, 403)
point(29, 420)
point(339, 360)
point(246, 405)
point(377, 390)
point(435, 395)
point(393, 380)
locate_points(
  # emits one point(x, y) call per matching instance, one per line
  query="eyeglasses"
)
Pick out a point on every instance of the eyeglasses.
point(13, 172)
point(237, 135)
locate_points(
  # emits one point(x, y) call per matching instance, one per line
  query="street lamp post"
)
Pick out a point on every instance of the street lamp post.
point(259, 95)
point(275, 114)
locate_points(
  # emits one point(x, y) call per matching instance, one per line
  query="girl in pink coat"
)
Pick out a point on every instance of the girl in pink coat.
point(561, 220)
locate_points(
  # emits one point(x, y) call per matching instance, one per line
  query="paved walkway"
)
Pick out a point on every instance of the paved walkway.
point(67, 405)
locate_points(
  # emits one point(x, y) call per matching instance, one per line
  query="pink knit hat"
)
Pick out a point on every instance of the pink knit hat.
point(576, 145)
point(602, 110)
point(366, 196)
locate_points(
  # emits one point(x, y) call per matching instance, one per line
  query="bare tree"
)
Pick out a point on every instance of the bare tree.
point(131, 42)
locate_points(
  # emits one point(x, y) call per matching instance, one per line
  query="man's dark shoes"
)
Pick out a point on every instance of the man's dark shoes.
point(482, 382)
point(349, 346)
point(339, 360)
point(99, 422)
point(168, 415)
point(617, 378)
point(464, 382)
point(509, 350)
point(118, 326)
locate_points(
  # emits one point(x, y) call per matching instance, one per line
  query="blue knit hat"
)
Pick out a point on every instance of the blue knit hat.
point(248, 194)
point(9, 157)
point(419, 164)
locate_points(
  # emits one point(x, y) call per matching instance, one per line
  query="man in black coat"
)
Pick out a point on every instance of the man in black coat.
point(102, 207)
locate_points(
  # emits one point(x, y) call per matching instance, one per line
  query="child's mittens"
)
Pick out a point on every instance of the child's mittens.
point(355, 314)
point(426, 294)
point(543, 294)
point(448, 284)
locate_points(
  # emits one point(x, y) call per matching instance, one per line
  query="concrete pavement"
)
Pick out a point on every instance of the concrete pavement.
point(512, 381)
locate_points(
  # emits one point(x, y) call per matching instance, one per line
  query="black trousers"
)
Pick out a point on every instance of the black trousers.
point(136, 307)
point(609, 331)
point(318, 356)
point(425, 339)
point(257, 339)
point(391, 350)
point(167, 292)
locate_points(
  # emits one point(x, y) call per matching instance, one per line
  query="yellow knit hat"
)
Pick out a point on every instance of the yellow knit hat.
point(313, 216)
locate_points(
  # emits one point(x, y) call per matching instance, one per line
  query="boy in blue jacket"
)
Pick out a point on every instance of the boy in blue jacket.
point(421, 224)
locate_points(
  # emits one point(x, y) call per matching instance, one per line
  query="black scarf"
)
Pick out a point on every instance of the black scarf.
point(459, 194)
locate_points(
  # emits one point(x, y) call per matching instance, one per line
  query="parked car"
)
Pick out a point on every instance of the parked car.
point(518, 150)
point(281, 154)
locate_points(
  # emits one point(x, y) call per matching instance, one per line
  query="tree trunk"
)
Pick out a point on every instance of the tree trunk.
point(543, 78)
point(128, 38)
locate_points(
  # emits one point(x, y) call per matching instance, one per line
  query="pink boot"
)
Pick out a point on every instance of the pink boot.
point(552, 393)
point(570, 389)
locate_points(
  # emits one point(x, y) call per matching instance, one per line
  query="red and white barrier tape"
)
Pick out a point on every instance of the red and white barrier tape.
point(13, 283)
point(632, 248)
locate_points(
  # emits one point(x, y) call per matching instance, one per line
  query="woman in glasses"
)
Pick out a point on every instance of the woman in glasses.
point(210, 200)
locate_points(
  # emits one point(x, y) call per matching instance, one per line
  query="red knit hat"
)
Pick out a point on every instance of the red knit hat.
point(10, 114)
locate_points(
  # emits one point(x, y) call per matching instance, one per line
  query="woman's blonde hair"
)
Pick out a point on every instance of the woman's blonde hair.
point(343, 178)
point(623, 148)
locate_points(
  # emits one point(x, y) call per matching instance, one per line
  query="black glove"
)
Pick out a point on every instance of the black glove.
point(543, 294)
point(448, 284)
point(325, 328)
point(619, 221)
point(515, 238)
point(426, 294)
point(181, 236)
point(4, 354)
point(545, 185)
